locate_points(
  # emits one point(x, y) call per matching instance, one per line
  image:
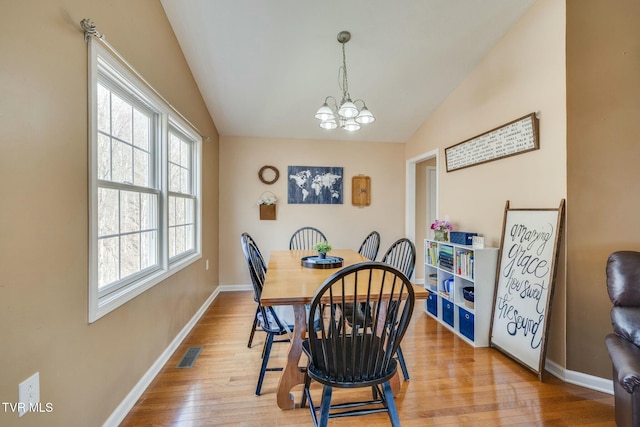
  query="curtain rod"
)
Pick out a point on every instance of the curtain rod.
point(90, 30)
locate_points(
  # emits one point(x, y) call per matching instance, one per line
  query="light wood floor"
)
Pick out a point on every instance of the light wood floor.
point(452, 384)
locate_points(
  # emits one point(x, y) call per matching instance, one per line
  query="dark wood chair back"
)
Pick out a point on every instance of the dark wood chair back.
point(306, 238)
point(347, 356)
point(245, 241)
point(401, 255)
point(370, 246)
point(257, 271)
point(265, 317)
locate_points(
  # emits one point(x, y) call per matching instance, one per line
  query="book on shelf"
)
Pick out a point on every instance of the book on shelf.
point(432, 253)
point(446, 249)
point(445, 257)
point(444, 294)
point(446, 263)
point(464, 264)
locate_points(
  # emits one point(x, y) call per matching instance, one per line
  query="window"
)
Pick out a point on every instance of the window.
point(181, 198)
point(144, 187)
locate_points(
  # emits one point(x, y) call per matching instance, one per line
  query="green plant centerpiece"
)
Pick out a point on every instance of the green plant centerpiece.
point(322, 248)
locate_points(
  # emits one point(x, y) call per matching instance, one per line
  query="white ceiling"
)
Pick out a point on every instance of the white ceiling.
point(265, 67)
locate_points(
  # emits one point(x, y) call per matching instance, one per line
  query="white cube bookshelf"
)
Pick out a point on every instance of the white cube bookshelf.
point(450, 267)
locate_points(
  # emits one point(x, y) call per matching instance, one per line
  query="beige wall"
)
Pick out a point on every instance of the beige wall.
point(86, 370)
point(588, 154)
point(524, 73)
point(603, 111)
point(344, 225)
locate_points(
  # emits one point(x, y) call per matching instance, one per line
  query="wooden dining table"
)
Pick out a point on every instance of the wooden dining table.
point(288, 282)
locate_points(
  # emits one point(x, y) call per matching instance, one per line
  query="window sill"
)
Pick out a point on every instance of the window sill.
point(99, 307)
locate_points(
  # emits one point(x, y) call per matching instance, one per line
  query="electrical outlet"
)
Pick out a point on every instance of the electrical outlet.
point(28, 394)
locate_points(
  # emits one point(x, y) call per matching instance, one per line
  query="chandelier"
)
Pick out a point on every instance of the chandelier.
point(346, 114)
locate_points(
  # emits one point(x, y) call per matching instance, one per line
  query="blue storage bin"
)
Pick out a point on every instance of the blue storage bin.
point(432, 304)
point(461, 237)
point(447, 312)
point(465, 323)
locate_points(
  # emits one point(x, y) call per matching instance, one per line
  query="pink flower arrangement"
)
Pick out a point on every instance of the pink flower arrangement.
point(441, 225)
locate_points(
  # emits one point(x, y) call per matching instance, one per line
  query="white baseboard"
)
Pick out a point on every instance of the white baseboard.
point(130, 400)
point(227, 288)
point(578, 378)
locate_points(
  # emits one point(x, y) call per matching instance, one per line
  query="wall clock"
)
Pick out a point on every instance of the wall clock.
point(268, 174)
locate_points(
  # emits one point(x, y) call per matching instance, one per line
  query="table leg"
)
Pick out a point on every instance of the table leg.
point(395, 383)
point(291, 374)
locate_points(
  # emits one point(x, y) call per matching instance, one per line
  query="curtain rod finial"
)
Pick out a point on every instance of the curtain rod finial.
point(89, 29)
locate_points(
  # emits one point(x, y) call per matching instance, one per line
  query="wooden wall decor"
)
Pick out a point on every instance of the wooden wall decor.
point(267, 203)
point(515, 137)
point(267, 212)
point(268, 174)
point(527, 265)
point(360, 191)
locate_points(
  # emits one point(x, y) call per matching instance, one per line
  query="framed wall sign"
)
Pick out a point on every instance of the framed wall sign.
point(527, 264)
point(515, 137)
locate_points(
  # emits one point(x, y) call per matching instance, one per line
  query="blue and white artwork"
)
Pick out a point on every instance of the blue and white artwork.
point(315, 185)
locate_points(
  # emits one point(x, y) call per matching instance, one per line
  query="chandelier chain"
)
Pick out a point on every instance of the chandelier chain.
point(345, 80)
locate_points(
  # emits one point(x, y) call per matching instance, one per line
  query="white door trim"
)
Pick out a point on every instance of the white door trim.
point(410, 194)
point(432, 195)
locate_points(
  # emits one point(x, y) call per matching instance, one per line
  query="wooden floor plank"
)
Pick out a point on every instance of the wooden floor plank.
point(452, 383)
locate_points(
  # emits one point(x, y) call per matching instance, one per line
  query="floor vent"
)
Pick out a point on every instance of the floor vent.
point(189, 357)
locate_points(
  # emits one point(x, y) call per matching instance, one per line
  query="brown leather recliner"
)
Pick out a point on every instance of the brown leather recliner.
point(623, 285)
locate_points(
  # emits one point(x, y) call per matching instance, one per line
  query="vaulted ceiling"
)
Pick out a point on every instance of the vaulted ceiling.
point(265, 67)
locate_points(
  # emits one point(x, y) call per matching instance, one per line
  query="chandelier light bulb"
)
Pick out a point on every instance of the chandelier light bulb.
point(329, 124)
point(348, 109)
point(351, 125)
point(365, 116)
point(324, 112)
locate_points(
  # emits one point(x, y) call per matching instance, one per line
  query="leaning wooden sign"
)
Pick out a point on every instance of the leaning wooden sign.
point(527, 265)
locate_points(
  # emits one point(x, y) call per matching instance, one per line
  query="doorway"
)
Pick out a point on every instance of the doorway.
point(421, 203)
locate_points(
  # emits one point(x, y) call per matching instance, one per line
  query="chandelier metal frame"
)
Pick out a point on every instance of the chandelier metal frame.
point(346, 114)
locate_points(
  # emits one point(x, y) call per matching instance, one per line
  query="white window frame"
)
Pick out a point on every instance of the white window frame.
point(178, 131)
point(100, 305)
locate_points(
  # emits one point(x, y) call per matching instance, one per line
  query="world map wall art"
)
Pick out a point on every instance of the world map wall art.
point(315, 185)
